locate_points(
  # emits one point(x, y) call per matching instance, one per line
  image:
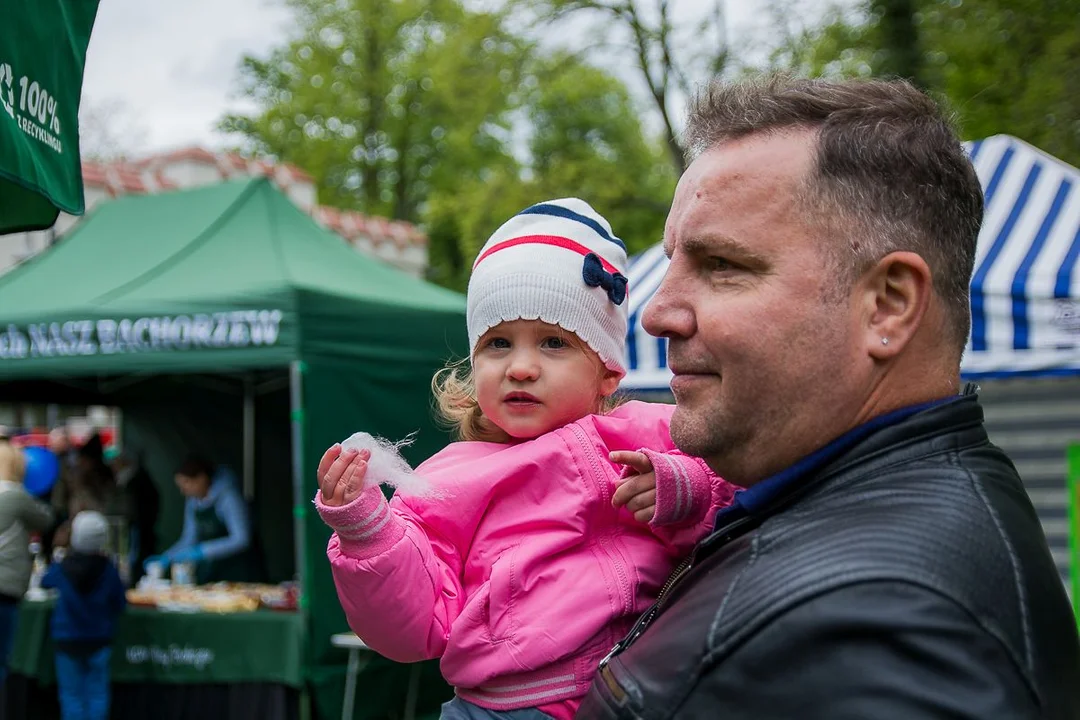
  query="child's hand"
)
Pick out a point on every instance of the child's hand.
point(341, 475)
point(637, 492)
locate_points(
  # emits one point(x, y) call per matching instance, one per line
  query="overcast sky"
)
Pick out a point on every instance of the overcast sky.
point(172, 67)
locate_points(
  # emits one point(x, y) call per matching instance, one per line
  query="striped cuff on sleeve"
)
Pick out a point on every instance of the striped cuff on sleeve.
point(365, 527)
point(683, 488)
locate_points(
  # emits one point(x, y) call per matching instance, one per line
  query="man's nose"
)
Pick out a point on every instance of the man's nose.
point(669, 313)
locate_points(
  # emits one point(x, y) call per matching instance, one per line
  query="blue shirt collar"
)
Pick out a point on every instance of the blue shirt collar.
point(757, 497)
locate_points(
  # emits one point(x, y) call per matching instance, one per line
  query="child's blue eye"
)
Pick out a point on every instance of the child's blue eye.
point(554, 343)
point(499, 343)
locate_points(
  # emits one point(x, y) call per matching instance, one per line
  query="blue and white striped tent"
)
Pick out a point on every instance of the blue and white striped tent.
point(1025, 292)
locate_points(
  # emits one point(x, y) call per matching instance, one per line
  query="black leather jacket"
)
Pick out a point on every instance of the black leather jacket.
point(906, 578)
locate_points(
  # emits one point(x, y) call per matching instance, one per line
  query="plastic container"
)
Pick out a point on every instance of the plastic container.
point(155, 571)
point(183, 573)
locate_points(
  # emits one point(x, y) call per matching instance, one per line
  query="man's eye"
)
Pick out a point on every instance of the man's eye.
point(554, 343)
point(719, 264)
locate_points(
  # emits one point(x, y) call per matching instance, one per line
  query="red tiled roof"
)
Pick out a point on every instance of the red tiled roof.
point(353, 225)
point(147, 176)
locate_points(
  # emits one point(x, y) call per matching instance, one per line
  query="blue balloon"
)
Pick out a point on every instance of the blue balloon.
point(42, 470)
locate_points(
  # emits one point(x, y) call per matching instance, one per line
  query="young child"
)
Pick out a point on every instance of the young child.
point(535, 551)
point(84, 620)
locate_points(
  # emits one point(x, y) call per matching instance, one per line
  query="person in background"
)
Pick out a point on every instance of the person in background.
point(94, 482)
point(89, 486)
point(216, 535)
point(137, 501)
point(91, 598)
point(60, 496)
point(20, 514)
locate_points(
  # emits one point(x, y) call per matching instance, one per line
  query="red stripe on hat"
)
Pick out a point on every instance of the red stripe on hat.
point(555, 240)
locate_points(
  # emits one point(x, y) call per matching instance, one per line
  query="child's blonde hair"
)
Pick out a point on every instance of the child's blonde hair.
point(12, 462)
point(456, 405)
point(454, 391)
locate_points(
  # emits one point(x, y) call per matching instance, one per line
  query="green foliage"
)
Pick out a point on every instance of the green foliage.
point(585, 140)
point(1010, 66)
point(381, 99)
point(427, 111)
point(1005, 66)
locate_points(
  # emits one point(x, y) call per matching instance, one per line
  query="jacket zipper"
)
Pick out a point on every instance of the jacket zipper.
point(646, 619)
point(674, 579)
point(606, 545)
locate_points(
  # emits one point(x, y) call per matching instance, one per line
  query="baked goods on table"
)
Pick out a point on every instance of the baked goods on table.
point(218, 597)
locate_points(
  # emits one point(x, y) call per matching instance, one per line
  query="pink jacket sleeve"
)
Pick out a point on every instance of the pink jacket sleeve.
point(688, 494)
point(398, 582)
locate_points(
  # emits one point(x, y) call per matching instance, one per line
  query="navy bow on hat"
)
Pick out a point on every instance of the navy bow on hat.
point(595, 275)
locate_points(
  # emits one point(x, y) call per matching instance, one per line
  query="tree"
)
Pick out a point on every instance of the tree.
point(900, 54)
point(1006, 66)
point(431, 113)
point(583, 139)
point(658, 45)
point(1010, 66)
point(378, 99)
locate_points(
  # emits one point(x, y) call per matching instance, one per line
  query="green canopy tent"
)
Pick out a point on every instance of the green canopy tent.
point(42, 55)
point(224, 320)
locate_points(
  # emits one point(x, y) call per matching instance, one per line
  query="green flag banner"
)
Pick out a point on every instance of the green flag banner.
point(42, 56)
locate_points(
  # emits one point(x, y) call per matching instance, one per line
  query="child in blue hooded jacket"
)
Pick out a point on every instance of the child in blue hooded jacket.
point(91, 598)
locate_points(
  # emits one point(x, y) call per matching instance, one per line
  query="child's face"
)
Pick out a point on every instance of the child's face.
point(532, 378)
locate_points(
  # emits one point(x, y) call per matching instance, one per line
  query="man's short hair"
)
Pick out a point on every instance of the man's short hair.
point(890, 173)
point(196, 465)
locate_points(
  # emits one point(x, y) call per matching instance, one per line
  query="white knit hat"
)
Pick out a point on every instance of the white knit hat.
point(560, 263)
point(89, 532)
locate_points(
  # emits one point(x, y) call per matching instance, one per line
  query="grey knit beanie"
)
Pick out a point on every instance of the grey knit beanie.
point(89, 532)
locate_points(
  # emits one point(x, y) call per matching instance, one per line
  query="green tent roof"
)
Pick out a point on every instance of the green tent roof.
point(224, 276)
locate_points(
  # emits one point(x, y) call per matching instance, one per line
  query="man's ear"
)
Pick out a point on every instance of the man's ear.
point(896, 294)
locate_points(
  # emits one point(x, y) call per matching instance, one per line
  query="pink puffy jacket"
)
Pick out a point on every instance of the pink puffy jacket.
point(522, 575)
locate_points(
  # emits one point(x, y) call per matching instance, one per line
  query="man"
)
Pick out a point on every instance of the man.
point(217, 535)
point(884, 560)
point(137, 500)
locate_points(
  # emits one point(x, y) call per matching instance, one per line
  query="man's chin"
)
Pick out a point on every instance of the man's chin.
point(698, 434)
point(687, 431)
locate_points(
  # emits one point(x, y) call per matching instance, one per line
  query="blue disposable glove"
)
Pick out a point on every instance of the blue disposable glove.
point(191, 554)
point(162, 560)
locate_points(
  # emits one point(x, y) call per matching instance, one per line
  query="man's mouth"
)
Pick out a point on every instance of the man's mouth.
point(684, 378)
point(680, 370)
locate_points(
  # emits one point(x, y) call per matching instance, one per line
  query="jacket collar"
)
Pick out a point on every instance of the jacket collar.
point(758, 500)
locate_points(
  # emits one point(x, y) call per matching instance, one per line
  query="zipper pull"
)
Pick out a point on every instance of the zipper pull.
point(614, 651)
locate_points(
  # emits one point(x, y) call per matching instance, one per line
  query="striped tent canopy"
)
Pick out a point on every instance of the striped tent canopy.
point(1025, 292)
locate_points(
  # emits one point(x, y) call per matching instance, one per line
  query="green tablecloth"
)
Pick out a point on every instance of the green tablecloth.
point(154, 646)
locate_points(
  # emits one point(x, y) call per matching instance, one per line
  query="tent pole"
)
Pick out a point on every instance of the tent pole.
point(249, 438)
point(296, 416)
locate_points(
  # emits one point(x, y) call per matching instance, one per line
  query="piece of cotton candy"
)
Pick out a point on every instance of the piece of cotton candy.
point(387, 467)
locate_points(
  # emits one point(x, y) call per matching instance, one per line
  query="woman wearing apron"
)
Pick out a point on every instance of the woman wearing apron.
point(217, 529)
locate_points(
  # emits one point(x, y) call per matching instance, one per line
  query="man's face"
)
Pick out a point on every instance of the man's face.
point(759, 353)
point(193, 487)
